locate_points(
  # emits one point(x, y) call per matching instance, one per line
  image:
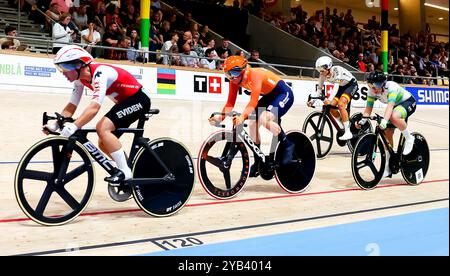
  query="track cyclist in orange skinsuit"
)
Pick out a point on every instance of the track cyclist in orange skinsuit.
point(277, 99)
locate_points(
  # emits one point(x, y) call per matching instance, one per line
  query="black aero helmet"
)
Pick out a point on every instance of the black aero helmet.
point(377, 79)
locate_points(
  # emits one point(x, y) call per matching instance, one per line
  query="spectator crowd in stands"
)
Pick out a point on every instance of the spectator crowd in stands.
point(104, 22)
point(337, 34)
point(9, 42)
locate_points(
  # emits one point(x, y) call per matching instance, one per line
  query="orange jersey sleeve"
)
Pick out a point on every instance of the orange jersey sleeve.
point(232, 95)
point(258, 81)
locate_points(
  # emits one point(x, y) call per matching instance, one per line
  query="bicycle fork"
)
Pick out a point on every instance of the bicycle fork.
point(228, 154)
point(61, 166)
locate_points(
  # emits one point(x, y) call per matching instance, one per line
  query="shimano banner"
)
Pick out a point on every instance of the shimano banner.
point(429, 95)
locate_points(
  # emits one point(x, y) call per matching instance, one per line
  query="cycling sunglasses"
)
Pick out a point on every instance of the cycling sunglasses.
point(376, 85)
point(67, 66)
point(233, 73)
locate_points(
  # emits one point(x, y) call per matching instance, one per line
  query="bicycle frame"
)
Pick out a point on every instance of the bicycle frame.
point(380, 133)
point(326, 112)
point(239, 131)
point(395, 164)
point(251, 144)
point(102, 160)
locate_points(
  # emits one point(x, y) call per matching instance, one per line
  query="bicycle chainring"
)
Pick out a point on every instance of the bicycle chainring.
point(120, 194)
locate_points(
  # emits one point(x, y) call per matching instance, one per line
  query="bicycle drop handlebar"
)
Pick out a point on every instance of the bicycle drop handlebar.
point(60, 119)
point(377, 117)
point(231, 114)
point(322, 98)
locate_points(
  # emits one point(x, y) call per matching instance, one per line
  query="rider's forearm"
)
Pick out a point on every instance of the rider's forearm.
point(367, 111)
point(69, 110)
point(320, 84)
point(248, 110)
point(88, 114)
point(227, 109)
point(388, 112)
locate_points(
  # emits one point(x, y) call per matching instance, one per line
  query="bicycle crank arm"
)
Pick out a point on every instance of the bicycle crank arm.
point(151, 181)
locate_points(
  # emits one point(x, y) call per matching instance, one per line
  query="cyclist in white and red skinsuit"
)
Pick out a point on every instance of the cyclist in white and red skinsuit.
point(132, 102)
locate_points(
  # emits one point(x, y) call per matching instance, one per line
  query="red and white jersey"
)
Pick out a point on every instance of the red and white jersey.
point(107, 80)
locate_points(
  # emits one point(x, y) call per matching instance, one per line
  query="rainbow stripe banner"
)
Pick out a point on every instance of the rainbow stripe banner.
point(166, 81)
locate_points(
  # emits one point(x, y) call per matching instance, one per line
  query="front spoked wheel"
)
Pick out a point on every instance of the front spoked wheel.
point(320, 131)
point(296, 176)
point(223, 165)
point(368, 161)
point(165, 198)
point(357, 133)
point(414, 166)
point(53, 184)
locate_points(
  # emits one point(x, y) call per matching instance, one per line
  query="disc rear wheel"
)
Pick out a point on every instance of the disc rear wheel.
point(414, 166)
point(296, 176)
point(165, 198)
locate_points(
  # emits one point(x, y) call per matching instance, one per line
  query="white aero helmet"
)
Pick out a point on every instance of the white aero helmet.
point(72, 57)
point(324, 62)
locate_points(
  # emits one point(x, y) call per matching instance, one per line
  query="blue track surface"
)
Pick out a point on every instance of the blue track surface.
point(420, 233)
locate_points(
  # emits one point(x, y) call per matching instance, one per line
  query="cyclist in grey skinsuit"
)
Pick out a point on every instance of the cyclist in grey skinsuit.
point(346, 88)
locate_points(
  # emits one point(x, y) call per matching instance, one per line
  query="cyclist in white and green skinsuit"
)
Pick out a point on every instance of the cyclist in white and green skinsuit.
point(400, 105)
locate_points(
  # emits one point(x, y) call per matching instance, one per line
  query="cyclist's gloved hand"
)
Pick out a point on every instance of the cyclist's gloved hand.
point(215, 119)
point(52, 126)
point(237, 120)
point(315, 94)
point(69, 129)
point(362, 122)
point(383, 124)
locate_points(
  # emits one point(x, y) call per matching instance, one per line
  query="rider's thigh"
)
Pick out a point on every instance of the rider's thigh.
point(268, 120)
point(334, 102)
point(265, 118)
point(396, 116)
point(252, 123)
point(397, 120)
point(105, 125)
point(343, 101)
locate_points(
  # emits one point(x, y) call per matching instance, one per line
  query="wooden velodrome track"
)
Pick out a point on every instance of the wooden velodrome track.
point(262, 208)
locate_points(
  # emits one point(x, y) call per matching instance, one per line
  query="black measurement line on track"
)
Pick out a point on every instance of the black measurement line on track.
point(152, 240)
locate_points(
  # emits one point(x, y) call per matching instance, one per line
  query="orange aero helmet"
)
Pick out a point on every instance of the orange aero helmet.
point(233, 66)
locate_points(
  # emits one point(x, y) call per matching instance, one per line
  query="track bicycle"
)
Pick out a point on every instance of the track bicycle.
point(369, 158)
point(55, 192)
point(318, 126)
point(223, 161)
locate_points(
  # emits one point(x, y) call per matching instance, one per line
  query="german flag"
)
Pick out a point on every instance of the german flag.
point(166, 81)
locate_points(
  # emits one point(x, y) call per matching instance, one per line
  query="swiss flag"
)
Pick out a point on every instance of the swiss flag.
point(328, 89)
point(215, 85)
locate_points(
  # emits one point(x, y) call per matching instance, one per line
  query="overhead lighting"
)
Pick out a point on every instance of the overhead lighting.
point(441, 18)
point(395, 9)
point(373, 3)
point(436, 7)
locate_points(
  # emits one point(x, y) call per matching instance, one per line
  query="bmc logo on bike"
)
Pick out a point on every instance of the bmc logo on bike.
point(98, 156)
point(210, 84)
